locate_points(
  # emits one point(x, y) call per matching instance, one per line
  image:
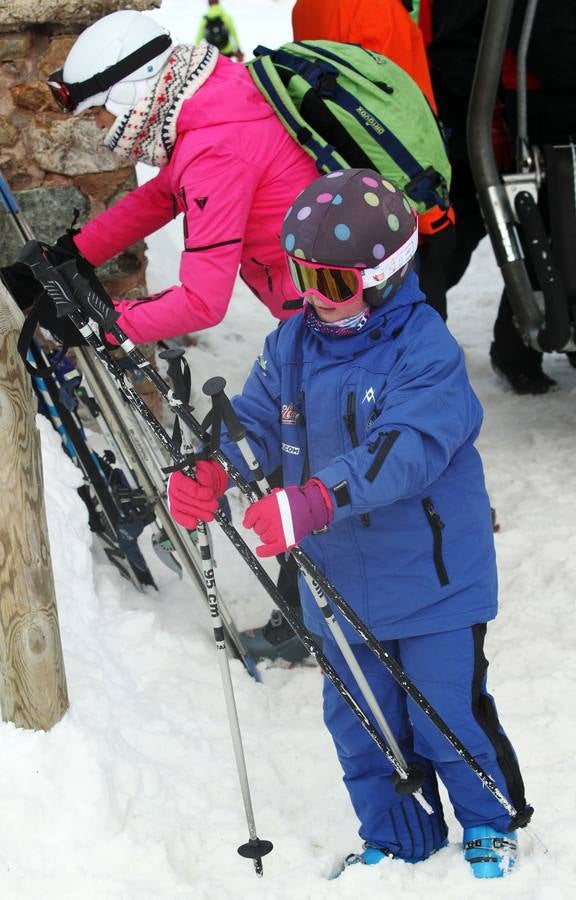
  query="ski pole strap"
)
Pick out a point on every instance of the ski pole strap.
point(179, 374)
point(32, 256)
point(25, 340)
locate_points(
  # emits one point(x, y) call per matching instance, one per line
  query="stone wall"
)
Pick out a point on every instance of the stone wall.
point(57, 163)
point(19, 14)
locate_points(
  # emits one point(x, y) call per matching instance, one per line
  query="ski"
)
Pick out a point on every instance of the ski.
point(115, 514)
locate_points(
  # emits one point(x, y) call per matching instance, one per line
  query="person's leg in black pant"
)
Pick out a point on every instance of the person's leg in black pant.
point(433, 253)
point(469, 226)
point(519, 365)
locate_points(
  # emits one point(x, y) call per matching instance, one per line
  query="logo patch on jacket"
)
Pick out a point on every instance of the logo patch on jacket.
point(200, 202)
point(288, 448)
point(289, 414)
point(369, 396)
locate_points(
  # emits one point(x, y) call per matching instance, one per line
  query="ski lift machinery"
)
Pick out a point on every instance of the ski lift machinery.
point(544, 308)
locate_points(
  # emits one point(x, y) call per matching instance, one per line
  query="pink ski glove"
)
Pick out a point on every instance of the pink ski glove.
point(284, 517)
point(190, 499)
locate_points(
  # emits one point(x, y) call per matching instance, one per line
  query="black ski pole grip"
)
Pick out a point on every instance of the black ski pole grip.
point(65, 285)
point(223, 409)
point(59, 291)
point(91, 296)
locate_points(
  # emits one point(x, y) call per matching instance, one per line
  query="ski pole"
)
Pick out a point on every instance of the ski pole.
point(10, 205)
point(40, 386)
point(409, 776)
point(255, 848)
point(59, 288)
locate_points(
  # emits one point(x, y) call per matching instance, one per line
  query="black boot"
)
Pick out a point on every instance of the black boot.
point(525, 378)
point(520, 366)
point(275, 640)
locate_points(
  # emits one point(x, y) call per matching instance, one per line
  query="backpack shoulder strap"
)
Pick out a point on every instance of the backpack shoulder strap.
point(266, 76)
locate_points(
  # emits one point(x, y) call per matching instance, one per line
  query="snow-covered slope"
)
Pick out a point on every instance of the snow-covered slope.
point(134, 794)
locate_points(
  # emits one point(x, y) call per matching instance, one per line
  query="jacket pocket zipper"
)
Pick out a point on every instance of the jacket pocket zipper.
point(267, 271)
point(150, 299)
point(350, 423)
point(437, 525)
point(301, 408)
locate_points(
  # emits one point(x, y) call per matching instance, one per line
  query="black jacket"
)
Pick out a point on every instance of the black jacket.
point(456, 31)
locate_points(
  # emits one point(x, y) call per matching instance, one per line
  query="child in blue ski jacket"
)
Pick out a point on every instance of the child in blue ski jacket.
point(365, 402)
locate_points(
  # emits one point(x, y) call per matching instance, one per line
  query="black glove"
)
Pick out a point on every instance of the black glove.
point(27, 291)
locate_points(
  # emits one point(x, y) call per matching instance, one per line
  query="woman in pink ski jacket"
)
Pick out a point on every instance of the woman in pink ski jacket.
point(225, 162)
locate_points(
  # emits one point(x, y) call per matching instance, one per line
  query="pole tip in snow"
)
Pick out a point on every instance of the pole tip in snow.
point(255, 849)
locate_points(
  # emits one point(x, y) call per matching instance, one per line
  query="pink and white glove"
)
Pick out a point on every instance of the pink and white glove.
point(190, 499)
point(284, 517)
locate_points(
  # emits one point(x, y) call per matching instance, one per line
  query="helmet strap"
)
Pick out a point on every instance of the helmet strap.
point(103, 81)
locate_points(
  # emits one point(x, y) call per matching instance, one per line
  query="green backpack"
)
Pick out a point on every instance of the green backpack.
point(351, 107)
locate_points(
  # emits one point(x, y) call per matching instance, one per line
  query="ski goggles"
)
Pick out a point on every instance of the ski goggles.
point(336, 285)
point(60, 92)
point(68, 95)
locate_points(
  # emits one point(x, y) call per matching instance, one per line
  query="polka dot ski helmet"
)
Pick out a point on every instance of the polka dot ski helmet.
point(354, 220)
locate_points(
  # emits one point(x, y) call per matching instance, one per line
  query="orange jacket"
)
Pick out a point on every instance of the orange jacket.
point(381, 25)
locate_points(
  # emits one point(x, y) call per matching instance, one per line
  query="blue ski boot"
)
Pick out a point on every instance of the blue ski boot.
point(275, 640)
point(490, 853)
point(369, 857)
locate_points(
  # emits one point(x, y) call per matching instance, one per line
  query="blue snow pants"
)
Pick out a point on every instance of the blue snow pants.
point(450, 670)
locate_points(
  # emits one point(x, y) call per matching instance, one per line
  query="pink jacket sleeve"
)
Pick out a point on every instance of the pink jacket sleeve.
point(142, 211)
point(216, 190)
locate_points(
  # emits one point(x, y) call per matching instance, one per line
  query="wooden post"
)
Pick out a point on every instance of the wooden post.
point(33, 690)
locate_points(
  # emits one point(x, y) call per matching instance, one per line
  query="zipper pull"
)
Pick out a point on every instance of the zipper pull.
point(431, 512)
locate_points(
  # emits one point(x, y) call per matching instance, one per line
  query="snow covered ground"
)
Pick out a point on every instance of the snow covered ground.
point(134, 794)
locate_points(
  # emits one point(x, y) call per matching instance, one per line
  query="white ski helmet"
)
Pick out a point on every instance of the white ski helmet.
point(113, 63)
